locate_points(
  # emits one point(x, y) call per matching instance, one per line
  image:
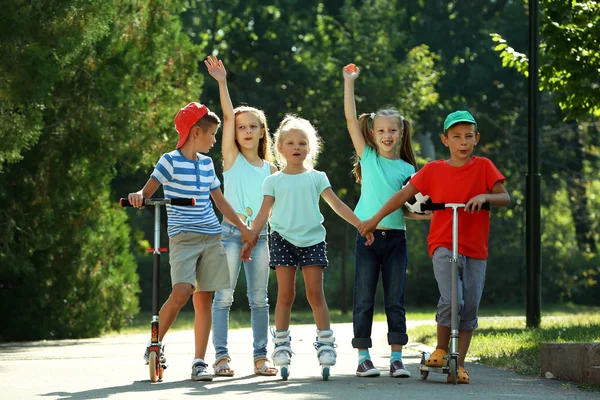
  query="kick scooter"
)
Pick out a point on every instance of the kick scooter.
point(157, 367)
point(450, 363)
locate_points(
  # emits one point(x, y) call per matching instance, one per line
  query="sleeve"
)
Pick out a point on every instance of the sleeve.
point(216, 183)
point(163, 172)
point(492, 175)
point(322, 182)
point(419, 181)
point(368, 152)
point(268, 188)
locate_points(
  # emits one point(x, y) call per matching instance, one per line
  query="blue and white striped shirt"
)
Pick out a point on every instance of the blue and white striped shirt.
point(181, 177)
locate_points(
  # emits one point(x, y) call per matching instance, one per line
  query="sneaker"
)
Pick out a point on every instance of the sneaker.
point(366, 368)
point(163, 360)
point(397, 370)
point(200, 372)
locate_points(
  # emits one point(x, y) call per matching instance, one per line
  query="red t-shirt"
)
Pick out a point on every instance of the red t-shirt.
point(444, 183)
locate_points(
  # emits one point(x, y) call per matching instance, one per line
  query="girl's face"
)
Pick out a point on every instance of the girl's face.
point(248, 131)
point(387, 135)
point(294, 147)
point(460, 140)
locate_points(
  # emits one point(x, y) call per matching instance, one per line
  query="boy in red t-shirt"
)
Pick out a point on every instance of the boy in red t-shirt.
point(460, 179)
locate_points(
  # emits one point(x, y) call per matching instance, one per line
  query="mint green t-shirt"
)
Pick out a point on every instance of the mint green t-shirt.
point(296, 215)
point(381, 178)
point(243, 186)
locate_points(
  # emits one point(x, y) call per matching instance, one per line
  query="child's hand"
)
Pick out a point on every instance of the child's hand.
point(367, 226)
point(216, 69)
point(249, 236)
point(370, 239)
point(136, 199)
point(476, 203)
point(245, 252)
point(351, 71)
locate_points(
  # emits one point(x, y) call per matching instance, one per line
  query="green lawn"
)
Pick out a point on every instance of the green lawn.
point(507, 343)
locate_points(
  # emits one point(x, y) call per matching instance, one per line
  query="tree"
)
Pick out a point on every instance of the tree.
point(102, 99)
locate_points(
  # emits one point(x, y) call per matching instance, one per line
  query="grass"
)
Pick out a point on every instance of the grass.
point(507, 342)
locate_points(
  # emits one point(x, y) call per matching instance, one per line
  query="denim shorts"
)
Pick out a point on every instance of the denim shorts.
point(284, 253)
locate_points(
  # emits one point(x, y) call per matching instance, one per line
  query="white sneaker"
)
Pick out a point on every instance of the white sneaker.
point(200, 372)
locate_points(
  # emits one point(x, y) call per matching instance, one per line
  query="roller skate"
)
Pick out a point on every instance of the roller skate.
point(282, 354)
point(325, 346)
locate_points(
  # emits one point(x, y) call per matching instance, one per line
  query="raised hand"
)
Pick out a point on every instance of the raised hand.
point(351, 71)
point(216, 69)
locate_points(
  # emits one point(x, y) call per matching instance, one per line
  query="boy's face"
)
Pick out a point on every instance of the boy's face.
point(460, 140)
point(247, 130)
point(205, 138)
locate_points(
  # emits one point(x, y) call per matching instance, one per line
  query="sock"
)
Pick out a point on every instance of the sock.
point(325, 333)
point(197, 360)
point(396, 356)
point(363, 355)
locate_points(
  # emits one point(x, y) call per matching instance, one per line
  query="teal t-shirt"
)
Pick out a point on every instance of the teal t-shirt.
point(243, 186)
point(296, 215)
point(381, 178)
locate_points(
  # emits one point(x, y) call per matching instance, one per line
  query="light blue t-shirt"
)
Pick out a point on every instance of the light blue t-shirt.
point(296, 215)
point(181, 177)
point(243, 184)
point(381, 178)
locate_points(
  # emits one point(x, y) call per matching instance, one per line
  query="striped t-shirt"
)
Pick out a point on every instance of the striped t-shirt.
point(181, 177)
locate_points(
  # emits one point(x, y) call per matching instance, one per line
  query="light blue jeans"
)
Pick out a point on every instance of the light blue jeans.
point(257, 277)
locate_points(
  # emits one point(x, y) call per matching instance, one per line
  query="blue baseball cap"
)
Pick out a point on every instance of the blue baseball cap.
point(459, 116)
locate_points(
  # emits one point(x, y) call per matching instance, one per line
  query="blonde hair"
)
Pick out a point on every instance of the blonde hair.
point(265, 149)
point(290, 122)
point(404, 149)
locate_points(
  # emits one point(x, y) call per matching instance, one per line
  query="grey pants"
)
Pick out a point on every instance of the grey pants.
point(471, 278)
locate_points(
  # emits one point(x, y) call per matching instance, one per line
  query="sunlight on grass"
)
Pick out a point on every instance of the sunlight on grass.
point(508, 343)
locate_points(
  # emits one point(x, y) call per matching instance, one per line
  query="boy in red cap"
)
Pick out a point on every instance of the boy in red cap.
point(462, 178)
point(197, 258)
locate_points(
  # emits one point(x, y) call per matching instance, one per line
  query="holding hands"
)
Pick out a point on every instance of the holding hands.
point(366, 229)
point(216, 69)
point(351, 71)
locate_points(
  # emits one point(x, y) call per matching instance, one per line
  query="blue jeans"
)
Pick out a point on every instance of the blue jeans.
point(257, 277)
point(388, 256)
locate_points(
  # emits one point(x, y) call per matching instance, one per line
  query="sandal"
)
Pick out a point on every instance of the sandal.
point(223, 369)
point(265, 369)
point(463, 376)
point(436, 359)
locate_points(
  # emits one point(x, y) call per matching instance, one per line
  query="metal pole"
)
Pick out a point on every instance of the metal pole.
point(534, 265)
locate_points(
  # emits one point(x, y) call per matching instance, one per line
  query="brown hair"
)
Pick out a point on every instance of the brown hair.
point(404, 149)
point(209, 119)
point(265, 150)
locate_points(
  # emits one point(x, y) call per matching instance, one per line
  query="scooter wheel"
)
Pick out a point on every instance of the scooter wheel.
point(154, 366)
point(424, 375)
point(454, 370)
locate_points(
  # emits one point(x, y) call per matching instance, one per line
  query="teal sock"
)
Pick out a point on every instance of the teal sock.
point(363, 355)
point(396, 356)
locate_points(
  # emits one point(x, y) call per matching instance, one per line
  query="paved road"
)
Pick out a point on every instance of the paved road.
point(112, 368)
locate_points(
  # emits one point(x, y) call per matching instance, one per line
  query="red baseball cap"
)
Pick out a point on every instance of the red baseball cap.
point(186, 118)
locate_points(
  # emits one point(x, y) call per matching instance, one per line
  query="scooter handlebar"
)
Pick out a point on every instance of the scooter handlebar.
point(150, 202)
point(443, 206)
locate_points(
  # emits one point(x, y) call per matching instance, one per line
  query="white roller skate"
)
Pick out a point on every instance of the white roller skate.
point(282, 354)
point(325, 346)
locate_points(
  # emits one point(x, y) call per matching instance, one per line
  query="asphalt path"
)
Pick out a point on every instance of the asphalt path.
point(112, 368)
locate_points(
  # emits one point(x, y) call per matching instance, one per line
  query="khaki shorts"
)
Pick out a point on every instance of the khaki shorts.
point(200, 260)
